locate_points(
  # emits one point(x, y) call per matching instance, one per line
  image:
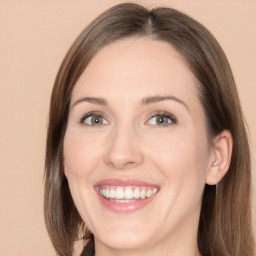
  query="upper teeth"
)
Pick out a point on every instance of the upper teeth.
point(127, 193)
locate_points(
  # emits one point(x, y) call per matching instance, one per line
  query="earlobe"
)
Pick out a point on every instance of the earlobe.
point(220, 157)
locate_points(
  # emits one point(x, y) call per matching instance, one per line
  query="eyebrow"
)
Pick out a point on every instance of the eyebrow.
point(156, 99)
point(93, 100)
point(144, 101)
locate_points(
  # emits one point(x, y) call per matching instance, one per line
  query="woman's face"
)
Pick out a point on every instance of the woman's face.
point(136, 153)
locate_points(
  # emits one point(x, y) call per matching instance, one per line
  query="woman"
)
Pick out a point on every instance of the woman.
point(147, 152)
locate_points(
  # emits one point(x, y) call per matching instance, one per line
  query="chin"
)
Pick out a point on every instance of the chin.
point(124, 240)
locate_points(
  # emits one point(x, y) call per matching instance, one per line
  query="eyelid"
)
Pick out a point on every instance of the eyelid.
point(92, 113)
point(164, 114)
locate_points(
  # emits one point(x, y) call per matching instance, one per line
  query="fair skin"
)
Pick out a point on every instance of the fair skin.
point(161, 141)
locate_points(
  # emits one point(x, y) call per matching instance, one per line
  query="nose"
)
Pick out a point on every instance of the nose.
point(124, 149)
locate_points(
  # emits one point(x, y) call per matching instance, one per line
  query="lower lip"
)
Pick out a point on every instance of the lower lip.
point(125, 207)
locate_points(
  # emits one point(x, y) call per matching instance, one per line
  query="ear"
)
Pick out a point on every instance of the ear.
point(220, 157)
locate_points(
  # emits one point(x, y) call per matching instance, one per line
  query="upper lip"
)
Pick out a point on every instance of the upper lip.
point(123, 183)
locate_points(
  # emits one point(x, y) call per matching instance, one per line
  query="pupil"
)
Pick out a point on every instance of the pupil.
point(160, 120)
point(96, 120)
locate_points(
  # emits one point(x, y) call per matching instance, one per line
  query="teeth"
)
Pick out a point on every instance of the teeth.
point(143, 194)
point(112, 193)
point(107, 193)
point(149, 193)
point(128, 194)
point(122, 200)
point(119, 193)
point(136, 193)
point(124, 195)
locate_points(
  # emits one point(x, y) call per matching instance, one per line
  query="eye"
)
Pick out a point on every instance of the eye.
point(93, 119)
point(162, 119)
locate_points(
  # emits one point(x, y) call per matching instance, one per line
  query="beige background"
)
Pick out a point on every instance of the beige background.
point(34, 36)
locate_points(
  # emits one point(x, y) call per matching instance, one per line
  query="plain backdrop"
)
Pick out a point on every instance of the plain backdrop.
point(34, 37)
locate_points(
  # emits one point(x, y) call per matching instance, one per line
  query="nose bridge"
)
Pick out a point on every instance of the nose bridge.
point(124, 149)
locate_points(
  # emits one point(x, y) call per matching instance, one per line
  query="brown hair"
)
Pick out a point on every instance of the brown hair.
point(225, 220)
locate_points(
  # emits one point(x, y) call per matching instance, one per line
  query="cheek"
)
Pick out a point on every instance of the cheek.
point(81, 158)
point(81, 153)
point(182, 159)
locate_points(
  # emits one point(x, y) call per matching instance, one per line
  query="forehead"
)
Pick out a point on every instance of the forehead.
point(134, 67)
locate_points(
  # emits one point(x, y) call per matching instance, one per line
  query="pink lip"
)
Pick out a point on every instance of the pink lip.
point(123, 182)
point(124, 207)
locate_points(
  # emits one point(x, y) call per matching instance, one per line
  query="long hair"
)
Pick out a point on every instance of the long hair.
point(225, 221)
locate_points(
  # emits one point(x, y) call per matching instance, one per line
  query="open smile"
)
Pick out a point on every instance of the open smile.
point(125, 196)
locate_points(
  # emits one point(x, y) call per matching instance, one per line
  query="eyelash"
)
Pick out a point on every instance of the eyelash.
point(90, 114)
point(163, 114)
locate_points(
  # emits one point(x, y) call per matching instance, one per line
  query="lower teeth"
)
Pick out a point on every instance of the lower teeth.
point(122, 200)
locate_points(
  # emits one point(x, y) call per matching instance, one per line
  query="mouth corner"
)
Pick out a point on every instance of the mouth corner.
point(125, 196)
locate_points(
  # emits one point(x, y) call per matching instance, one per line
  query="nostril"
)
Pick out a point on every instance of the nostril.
point(131, 164)
point(121, 165)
